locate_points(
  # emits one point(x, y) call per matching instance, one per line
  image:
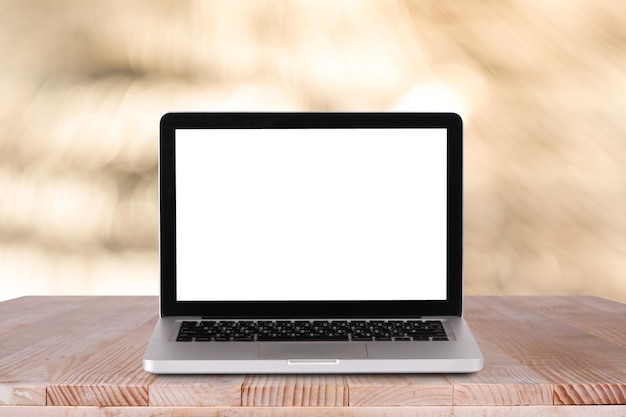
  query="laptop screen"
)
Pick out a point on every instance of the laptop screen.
point(311, 214)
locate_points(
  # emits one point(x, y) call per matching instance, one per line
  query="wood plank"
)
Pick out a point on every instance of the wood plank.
point(399, 390)
point(63, 337)
point(563, 355)
point(112, 376)
point(294, 390)
point(602, 318)
point(504, 380)
point(572, 394)
point(22, 395)
point(41, 317)
point(542, 320)
point(31, 310)
point(196, 391)
point(431, 411)
point(501, 386)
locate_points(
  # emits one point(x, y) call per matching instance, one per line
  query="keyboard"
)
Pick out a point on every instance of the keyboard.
point(311, 330)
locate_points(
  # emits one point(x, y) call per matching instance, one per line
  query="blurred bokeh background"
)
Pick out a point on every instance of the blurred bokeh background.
point(541, 86)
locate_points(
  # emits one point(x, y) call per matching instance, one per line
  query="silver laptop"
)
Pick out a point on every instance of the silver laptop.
point(311, 243)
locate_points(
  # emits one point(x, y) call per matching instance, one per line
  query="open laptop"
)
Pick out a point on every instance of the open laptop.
point(311, 243)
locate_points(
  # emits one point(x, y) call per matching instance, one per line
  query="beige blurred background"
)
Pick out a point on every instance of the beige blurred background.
point(541, 85)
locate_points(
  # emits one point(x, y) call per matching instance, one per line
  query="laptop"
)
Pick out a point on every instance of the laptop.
point(311, 243)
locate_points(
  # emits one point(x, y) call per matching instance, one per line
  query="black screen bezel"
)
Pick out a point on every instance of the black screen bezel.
point(169, 304)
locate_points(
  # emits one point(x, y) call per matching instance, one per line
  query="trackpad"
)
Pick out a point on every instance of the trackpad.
point(312, 350)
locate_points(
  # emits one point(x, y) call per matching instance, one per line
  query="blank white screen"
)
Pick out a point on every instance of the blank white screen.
point(310, 214)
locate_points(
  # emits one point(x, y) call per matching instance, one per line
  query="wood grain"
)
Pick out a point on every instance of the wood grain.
point(602, 318)
point(399, 390)
point(540, 353)
point(504, 379)
point(110, 377)
point(430, 411)
point(22, 395)
point(562, 355)
point(56, 336)
point(199, 391)
point(294, 390)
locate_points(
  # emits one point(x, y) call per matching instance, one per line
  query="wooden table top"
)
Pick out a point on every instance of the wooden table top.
point(540, 353)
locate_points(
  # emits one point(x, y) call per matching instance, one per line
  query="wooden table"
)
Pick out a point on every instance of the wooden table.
point(544, 356)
